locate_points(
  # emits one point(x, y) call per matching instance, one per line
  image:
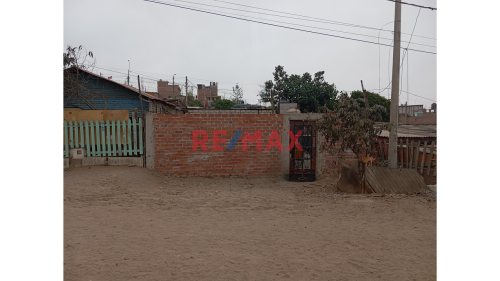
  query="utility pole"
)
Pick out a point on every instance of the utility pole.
point(140, 96)
point(367, 104)
point(406, 114)
point(187, 92)
point(173, 83)
point(142, 116)
point(393, 135)
point(273, 111)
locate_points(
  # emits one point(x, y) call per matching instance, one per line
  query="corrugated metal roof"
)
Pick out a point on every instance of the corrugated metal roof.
point(176, 102)
point(414, 131)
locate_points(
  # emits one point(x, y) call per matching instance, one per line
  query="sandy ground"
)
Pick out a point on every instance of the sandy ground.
point(129, 223)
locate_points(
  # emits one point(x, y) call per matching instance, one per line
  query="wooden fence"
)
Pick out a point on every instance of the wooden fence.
point(419, 155)
point(115, 138)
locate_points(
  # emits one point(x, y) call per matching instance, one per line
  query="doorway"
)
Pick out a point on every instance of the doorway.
point(303, 161)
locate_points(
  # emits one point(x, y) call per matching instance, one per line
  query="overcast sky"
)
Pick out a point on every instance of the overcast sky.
point(161, 40)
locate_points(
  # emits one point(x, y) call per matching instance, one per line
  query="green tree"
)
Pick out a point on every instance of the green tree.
point(350, 126)
point(311, 93)
point(195, 103)
point(223, 104)
point(374, 99)
point(237, 95)
point(265, 91)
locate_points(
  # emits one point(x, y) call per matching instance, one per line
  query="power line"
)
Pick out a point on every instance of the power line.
point(379, 52)
point(313, 26)
point(337, 22)
point(156, 78)
point(410, 5)
point(419, 96)
point(407, 76)
point(406, 50)
point(252, 84)
point(415, 25)
point(404, 92)
point(406, 53)
point(331, 35)
point(110, 70)
point(142, 76)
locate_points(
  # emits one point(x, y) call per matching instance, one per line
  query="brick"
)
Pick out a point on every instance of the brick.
point(173, 140)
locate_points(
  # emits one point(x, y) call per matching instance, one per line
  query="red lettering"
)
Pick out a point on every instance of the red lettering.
point(251, 139)
point(201, 142)
point(274, 140)
point(217, 140)
point(294, 140)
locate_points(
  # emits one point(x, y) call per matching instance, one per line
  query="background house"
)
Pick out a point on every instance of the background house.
point(166, 91)
point(86, 90)
point(206, 93)
point(417, 115)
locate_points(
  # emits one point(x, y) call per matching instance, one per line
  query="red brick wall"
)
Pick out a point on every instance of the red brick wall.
point(174, 153)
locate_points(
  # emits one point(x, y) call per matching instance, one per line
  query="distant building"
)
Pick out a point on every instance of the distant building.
point(411, 110)
point(208, 93)
point(166, 91)
point(417, 115)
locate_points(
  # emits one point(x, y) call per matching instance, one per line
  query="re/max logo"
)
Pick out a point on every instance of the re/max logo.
point(248, 138)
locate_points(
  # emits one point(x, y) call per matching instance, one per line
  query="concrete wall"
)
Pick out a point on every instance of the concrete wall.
point(149, 144)
point(104, 161)
point(286, 106)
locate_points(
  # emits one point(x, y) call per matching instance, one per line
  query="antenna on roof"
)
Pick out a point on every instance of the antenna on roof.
point(128, 75)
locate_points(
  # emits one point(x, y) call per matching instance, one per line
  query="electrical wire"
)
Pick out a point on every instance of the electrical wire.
point(339, 22)
point(407, 76)
point(414, 5)
point(419, 96)
point(331, 35)
point(404, 92)
point(156, 78)
point(401, 81)
point(334, 30)
point(379, 52)
point(415, 25)
point(406, 49)
point(252, 84)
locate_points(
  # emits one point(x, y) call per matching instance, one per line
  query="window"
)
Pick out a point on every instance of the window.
point(169, 97)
